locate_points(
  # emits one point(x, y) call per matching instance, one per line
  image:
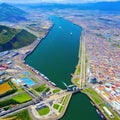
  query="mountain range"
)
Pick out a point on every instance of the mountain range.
point(11, 13)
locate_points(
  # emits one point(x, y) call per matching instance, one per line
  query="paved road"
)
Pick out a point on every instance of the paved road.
point(82, 62)
point(34, 113)
point(33, 102)
point(16, 109)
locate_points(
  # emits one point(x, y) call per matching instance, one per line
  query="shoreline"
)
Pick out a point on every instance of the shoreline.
point(66, 106)
point(39, 40)
point(77, 84)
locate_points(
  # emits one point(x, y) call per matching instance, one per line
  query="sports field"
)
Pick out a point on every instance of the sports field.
point(4, 88)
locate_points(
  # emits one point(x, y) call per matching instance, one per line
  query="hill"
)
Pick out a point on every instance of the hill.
point(11, 13)
point(11, 38)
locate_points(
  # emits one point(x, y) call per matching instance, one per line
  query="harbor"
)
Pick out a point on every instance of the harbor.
point(56, 57)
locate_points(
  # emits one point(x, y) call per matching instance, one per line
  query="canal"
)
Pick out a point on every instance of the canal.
point(56, 57)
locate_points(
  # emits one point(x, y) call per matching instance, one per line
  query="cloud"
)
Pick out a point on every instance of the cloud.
point(54, 1)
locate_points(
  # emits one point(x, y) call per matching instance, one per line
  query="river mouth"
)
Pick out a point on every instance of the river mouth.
point(56, 57)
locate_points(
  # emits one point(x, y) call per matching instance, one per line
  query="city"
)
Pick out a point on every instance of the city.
point(55, 53)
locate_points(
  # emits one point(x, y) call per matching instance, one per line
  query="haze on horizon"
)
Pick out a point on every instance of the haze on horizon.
point(55, 1)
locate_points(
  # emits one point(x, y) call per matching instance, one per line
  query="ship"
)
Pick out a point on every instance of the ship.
point(53, 83)
point(100, 114)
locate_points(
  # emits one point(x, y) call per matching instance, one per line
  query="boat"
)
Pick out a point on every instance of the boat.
point(53, 83)
point(100, 114)
point(42, 75)
point(46, 78)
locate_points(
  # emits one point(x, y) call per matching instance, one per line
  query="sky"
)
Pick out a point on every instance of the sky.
point(54, 1)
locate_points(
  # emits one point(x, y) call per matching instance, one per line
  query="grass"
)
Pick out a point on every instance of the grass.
point(98, 101)
point(65, 99)
point(56, 106)
point(44, 111)
point(21, 98)
point(92, 93)
point(78, 70)
point(22, 115)
point(17, 99)
point(76, 81)
point(56, 91)
point(61, 109)
point(41, 88)
point(64, 102)
point(47, 89)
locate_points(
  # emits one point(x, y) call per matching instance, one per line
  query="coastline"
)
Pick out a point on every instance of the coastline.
point(39, 40)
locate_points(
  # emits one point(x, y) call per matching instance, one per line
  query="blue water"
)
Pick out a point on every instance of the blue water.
point(28, 81)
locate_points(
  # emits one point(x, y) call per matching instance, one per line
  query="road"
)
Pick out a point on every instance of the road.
point(34, 113)
point(33, 102)
point(82, 62)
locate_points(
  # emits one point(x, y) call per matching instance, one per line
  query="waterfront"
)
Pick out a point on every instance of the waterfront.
point(80, 108)
point(56, 57)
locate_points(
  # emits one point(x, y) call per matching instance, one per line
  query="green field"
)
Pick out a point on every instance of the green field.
point(65, 99)
point(64, 102)
point(22, 115)
point(78, 70)
point(44, 111)
point(56, 91)
point(42, 88)
point(21, 98)
point(56, 106)
point(76, 80)
point(92, 93)
point(17, 99)
point(61, 109)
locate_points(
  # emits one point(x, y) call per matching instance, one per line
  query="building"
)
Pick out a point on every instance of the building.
point(1, 81)
point(2, 73)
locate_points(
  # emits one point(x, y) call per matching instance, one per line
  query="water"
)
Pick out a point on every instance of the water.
point(27, 81)
point(56, 57)
point(57, 54)
point(24, 80)
point(80, 108)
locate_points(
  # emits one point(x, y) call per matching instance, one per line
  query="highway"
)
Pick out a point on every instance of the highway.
point(33, 102)
point(82, 62)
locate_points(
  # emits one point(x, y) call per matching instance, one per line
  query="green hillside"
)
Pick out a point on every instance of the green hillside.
point(11, 38)
point(6, 34)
